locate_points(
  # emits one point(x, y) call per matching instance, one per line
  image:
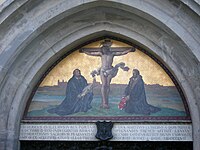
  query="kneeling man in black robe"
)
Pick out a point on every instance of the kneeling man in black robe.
point(78, 97)
point(135, 93)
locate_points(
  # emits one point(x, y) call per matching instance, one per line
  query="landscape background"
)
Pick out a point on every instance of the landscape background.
point(165, 97)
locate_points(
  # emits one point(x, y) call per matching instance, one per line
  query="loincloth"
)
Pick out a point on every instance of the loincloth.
point(110, 71)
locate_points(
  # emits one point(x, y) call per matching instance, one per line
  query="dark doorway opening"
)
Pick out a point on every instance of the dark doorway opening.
point(104, 145)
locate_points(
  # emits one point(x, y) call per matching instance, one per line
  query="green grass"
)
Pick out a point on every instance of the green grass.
point(113, 111)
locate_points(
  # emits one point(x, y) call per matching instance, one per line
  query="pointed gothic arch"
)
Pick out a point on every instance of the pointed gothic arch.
point(60, 27)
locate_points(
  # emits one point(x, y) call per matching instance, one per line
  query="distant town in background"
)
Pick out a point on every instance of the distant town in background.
point(116, 89)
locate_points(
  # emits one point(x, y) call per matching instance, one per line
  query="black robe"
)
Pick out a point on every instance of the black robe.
point(137, 102)
point(72, 103)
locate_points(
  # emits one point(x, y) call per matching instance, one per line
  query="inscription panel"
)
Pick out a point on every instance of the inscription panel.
point(121, 132)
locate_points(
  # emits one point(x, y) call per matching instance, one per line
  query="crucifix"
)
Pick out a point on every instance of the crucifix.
point(107, 71)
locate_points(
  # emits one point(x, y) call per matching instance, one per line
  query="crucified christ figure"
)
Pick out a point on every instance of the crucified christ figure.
point(107, 71)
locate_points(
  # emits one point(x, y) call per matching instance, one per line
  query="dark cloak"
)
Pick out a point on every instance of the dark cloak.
point(72, 103)
point(137, 102)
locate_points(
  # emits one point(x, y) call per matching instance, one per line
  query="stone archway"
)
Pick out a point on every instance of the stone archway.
point(60, 26)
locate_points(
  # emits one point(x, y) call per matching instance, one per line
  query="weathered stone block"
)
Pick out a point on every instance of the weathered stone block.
point(29, 57)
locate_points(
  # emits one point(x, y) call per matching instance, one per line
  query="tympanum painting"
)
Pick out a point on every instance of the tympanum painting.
point(108, 80)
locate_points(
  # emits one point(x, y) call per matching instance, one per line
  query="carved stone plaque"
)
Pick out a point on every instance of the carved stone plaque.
point(121, 132)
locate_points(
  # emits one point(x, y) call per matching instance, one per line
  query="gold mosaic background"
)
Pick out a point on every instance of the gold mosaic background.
point(151, 72)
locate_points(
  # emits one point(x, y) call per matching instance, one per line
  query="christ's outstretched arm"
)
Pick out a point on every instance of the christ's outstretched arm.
point(96, 52)
point(132, 49)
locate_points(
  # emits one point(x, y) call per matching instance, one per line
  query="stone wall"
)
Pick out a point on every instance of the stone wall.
point(34, 34)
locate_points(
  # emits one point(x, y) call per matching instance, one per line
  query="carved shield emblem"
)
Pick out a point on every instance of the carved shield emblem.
point(104, 130)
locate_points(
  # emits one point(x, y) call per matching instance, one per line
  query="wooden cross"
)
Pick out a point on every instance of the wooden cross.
point(107, 43)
